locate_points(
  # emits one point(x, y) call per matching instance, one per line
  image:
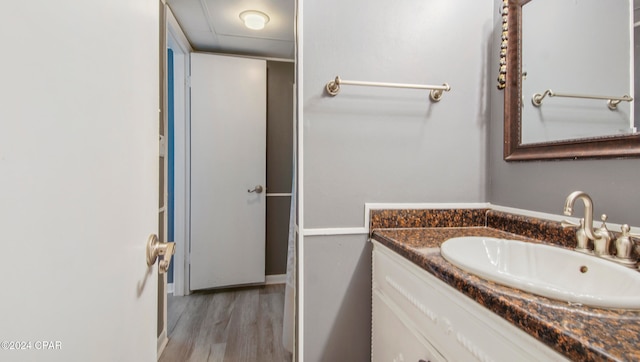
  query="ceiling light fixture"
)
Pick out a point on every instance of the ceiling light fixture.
point(253, 19)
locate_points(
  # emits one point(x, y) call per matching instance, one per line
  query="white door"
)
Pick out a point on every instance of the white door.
point(228, 159)
point(78, 179)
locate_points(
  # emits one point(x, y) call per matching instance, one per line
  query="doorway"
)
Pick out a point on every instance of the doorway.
point(278, 198)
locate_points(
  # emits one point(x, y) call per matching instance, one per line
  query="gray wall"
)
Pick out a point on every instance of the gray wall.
point(280, 78)
point(382, 144)
point(544, 185)
point(338, 298)
point(393, 145)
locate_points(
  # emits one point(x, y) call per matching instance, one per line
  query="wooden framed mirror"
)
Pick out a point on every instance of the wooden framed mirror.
point(605, 146)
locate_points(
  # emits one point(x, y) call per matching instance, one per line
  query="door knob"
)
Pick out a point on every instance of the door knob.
point(156, 248)
point(258, 189)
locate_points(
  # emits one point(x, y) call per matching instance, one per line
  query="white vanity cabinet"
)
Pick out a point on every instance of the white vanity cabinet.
point(395, 338)
point(417, 317)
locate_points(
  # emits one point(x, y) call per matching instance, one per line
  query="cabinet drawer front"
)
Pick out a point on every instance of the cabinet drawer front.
point(393, 340)
point(458, 327)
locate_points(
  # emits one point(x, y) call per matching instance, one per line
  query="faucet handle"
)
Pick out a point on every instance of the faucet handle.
point(603, 227)
point(624, 246)
point(625, 229)
point(604, 237)
point(569, 224)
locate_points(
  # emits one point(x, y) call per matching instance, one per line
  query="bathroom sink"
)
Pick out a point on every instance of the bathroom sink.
point(545, 270)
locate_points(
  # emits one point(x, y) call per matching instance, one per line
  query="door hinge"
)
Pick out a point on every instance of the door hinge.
point(187, 81)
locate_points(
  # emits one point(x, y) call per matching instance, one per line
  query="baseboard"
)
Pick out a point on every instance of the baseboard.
point(170, 288)
point(162, 342)
point(275, 279)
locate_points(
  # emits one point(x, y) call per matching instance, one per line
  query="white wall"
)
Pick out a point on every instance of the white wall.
point(382, 144)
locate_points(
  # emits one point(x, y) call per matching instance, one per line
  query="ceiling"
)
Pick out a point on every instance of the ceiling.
point(215, 26)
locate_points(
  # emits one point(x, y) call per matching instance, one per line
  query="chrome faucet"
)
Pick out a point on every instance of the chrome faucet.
point(601, 237)
point(588, 211)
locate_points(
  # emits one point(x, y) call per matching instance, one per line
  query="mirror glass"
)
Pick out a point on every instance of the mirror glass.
point(576, 48)
point(570, 80)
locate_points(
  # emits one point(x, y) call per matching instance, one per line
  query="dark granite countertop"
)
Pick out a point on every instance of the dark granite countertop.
point(578, 332)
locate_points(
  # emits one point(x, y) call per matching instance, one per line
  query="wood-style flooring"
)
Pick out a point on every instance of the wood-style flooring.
point(232, 325)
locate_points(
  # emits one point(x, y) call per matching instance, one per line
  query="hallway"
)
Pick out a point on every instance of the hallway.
point(231, 325)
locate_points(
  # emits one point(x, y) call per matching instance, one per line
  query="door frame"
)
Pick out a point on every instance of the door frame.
point(177, 41)
point(161, 306)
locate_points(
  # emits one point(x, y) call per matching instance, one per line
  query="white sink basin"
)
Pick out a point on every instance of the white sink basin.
point(548, 271)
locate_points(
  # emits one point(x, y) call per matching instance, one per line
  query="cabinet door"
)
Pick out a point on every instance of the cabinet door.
point(393, 338)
